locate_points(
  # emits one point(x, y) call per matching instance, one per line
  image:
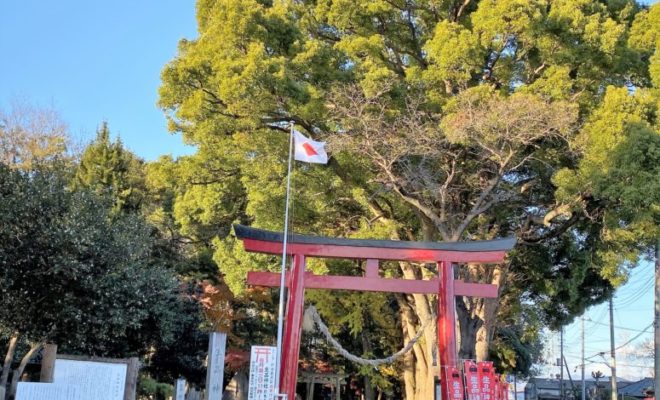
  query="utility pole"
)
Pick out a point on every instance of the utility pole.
point(613, 363)
point(568, 372)
point(656, 320)
point(515, 388)
point(584, 389)
point(561, 364)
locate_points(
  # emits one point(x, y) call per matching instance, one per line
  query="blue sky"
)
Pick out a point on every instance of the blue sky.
point(96, 61)
point(633, 314)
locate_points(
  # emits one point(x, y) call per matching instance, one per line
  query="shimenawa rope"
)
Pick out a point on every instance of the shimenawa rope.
point(312, 313)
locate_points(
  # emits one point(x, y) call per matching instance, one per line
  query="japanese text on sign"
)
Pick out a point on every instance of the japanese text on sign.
point(263, 361)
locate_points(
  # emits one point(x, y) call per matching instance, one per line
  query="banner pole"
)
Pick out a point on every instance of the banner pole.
point(280, 317)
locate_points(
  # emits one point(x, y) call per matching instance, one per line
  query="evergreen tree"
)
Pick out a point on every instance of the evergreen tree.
point(73, 275)
point(108, 168)
point(447, 120)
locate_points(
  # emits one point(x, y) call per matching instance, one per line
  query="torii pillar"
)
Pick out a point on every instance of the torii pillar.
point(445, 254)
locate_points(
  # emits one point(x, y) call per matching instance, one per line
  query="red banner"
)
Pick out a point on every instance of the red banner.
point(486, 380)
point(455, 384)
point(472, 380)
point(497, 393)
point(505, 391)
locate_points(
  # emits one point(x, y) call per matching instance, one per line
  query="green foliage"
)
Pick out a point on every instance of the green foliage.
point(73, 275)
point(513, 355)
point(446, 120)
point(365, 324)
point(454, 54)
point(153, 389)
point(184, 353)
point(109, 169)
point(620, 168)
point(645, 37)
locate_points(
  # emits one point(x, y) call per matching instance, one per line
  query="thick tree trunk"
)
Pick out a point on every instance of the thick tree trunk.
point(418, 364)
point(237, 388)
point(21, 368)
point(467, 327)
point(408, 363)
point(6, 367)
point(476, 317)
point(475, 327)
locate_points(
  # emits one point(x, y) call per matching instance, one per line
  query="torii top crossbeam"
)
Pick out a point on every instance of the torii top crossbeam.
point(444, 254)
point(485, 251)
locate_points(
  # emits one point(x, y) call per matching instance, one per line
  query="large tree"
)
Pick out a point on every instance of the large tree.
point(76, 275)
point(448, 121)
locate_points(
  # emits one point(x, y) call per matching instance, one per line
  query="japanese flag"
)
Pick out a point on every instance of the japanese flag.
point(307, 150)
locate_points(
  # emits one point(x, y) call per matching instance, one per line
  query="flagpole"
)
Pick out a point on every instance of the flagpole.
point(280, 317)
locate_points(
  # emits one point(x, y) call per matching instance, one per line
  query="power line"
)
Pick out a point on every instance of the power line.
point(641, 287)
point(589, 319)
point(637, 294)
point(636, 336)
point(601, 353)
point(617, 327)
point(622, 365)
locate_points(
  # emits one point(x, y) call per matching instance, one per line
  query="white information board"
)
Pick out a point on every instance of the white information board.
point(50, 391)
point(215, 368)
point(263, 360)
point(95, 380)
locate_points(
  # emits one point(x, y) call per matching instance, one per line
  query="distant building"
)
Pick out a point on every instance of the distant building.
point(637, 389)
point(548, 389)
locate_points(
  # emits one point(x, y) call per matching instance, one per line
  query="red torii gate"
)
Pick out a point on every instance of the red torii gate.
point(445, 254)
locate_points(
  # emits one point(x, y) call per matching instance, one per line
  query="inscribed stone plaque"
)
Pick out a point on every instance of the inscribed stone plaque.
point(180, 389)
point(96, 380)
point(216, 365)
point(263, 360)
point(50, 391)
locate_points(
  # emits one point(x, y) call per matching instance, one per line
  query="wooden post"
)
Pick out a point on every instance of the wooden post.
point(310, 390)
point(180, 389)
point(193, 394)
point(132, 370)
point(215, 368)
point(371, 271)
point(48, 363)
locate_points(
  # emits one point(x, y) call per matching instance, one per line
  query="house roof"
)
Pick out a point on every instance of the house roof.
point(543, 383)
point(636, 389)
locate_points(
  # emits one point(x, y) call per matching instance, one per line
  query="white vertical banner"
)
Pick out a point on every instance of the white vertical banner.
point(263, 362)
point(215, 368)
point(180, 389)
